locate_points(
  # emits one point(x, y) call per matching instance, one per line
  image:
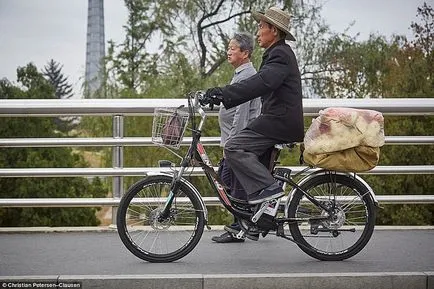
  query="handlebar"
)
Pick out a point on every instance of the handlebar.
point(198, 96)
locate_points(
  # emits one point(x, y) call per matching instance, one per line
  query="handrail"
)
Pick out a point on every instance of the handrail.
point(147, 141)
point(194, 172)
point(62, 107)
point(209, 201)
point(118, 108)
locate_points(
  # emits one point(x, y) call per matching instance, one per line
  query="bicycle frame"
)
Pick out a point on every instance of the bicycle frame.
point(206, 165)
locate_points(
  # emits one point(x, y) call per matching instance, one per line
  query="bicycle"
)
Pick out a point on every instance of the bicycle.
point(330, 215)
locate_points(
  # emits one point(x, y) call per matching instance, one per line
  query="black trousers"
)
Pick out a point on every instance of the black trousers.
point(243, 152)
point(229, 179)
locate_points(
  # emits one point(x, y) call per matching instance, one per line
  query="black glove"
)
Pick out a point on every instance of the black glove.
point(212, 96)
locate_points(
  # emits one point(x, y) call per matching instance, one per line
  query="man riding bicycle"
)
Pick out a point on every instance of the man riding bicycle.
point(278, 83)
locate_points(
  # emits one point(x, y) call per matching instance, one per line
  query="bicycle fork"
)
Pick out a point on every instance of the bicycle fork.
point(165, 213)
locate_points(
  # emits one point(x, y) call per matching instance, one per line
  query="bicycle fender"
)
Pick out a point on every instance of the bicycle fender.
point(189, 185)
point(323, 172)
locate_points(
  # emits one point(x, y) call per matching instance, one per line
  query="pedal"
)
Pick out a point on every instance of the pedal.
point(250, 230)
point(252, 234)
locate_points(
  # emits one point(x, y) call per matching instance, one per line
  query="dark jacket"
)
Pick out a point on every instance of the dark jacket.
point(278, 82)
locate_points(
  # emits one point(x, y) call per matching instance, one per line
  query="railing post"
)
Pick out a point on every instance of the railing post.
point(118, 162)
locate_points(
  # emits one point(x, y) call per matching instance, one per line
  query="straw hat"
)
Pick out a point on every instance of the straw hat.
point(277, 17)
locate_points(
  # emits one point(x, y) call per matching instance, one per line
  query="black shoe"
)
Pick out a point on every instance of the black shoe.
point(273, 191)
point(254, 236)
point(226, 238)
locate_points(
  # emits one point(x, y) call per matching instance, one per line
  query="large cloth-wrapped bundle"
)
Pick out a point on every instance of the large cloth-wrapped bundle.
point(345, 139)
point(340, 128)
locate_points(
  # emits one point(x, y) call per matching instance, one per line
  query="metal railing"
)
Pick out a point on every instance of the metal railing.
point(118, 108)
point(55, 107)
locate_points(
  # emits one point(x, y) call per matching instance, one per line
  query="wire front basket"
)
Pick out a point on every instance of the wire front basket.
point(168, 126)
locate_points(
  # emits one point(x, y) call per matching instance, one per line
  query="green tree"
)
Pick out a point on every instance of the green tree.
point(131, 63)
point(53, 73)
point(34, 86)
point(194, 36)
point(62, 90)
point(379, 67)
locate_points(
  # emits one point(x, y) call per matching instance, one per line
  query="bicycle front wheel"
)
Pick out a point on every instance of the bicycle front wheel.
point(336, 236)
point(154, 239)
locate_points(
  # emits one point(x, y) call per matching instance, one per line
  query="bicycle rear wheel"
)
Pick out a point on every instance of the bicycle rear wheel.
point(342, 234)
point(156, 240)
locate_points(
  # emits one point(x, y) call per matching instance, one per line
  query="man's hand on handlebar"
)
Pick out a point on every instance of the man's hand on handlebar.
point(212, 96)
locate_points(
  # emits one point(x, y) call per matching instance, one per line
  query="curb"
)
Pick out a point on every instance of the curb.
point(378, 280)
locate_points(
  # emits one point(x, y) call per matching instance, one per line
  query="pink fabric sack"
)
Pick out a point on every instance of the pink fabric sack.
point(341, 128)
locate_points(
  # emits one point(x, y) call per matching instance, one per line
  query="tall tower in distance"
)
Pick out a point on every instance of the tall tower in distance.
point(95, 47)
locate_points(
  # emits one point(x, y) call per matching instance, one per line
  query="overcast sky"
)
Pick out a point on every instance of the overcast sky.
point(39, 30)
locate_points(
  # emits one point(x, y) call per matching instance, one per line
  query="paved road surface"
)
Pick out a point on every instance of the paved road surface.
point(102, 253)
